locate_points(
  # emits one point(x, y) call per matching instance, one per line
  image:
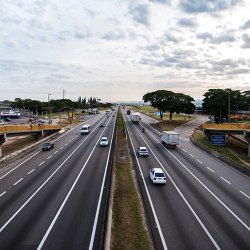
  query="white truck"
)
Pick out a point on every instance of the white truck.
point(170, 138)
point(135, 117)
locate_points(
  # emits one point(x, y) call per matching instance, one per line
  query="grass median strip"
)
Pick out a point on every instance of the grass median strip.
point(128, 228)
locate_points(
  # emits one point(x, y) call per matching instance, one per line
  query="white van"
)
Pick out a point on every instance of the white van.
point(85, 129)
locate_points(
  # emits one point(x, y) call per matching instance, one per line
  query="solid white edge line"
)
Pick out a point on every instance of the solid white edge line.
point(185, 200)
point(40, 151)
point(19, 165)
point(91, 244)
point(220, 201)
point(149, 198)
point(67, 197)
point(31, 197)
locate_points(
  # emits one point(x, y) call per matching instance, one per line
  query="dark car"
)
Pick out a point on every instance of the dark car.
point(102, 125)
point(7, 119)
point(47, 146)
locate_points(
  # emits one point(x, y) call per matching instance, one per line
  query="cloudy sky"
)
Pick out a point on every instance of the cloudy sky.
point(118, 50)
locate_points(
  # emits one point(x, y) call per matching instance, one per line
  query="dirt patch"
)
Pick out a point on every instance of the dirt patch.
point(16, 143)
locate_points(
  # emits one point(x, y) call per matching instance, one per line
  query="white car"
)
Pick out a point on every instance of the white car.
point(157, 176)
point(104, 142)
point(142, 151)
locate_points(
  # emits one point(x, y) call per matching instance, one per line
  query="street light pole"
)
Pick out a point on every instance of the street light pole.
point(49, 107)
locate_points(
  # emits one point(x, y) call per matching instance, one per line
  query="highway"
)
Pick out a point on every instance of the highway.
point(205, 203)
point(57, 199)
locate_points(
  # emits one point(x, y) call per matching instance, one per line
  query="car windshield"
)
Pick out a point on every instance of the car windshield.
point(159, 175)
point(46, 144)
point(144, 149)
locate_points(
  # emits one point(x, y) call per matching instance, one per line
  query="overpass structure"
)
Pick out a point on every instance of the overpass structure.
point(228, 129)
point(36, 130)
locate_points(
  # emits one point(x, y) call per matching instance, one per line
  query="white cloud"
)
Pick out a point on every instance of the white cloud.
point(120, 50)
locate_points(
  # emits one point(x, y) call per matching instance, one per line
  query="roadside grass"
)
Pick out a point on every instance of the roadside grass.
point(234, 150)
point(128, 229)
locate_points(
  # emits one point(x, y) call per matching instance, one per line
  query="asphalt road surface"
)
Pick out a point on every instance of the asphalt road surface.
point(57, 199)
point(205, 203)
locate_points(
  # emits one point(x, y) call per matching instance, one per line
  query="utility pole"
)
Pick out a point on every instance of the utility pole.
point(229, 106)
point(49, 107)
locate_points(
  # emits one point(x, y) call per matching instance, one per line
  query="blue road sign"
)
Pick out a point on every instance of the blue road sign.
point(218, 139)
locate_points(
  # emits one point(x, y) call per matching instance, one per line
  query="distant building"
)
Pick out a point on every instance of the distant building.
point(8, 112)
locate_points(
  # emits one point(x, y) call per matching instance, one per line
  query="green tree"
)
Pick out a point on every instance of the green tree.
point(165, 100)
point(219, 102)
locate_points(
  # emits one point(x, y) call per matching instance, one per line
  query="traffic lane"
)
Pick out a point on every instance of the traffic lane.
point(226, 229)
point(17, 195)
point(18, 170)
point(162, 196)
point(56, 189)
point(191, 187)
point(174, 217)
point(74, 226)
point(46, 168)
point(218, 185)
point(164, 158)
point(239, 180)
point(29, 165)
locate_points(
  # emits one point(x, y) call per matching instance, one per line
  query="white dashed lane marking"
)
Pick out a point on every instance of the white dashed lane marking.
point(41, 163)
point(245, 194)
point(199, 161)
point(17, 182)
point(210, 169)
point(31, 171)
point(225, 180)
point(2, 193)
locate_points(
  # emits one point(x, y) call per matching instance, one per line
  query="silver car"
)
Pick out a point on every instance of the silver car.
point(104, 142)
point(142, 151)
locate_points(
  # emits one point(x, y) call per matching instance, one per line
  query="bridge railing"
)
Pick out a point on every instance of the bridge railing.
point(226, 126)
point(27, 128)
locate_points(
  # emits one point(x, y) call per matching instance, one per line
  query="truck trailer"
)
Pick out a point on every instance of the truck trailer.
point(135, 117)
point(170, 138)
